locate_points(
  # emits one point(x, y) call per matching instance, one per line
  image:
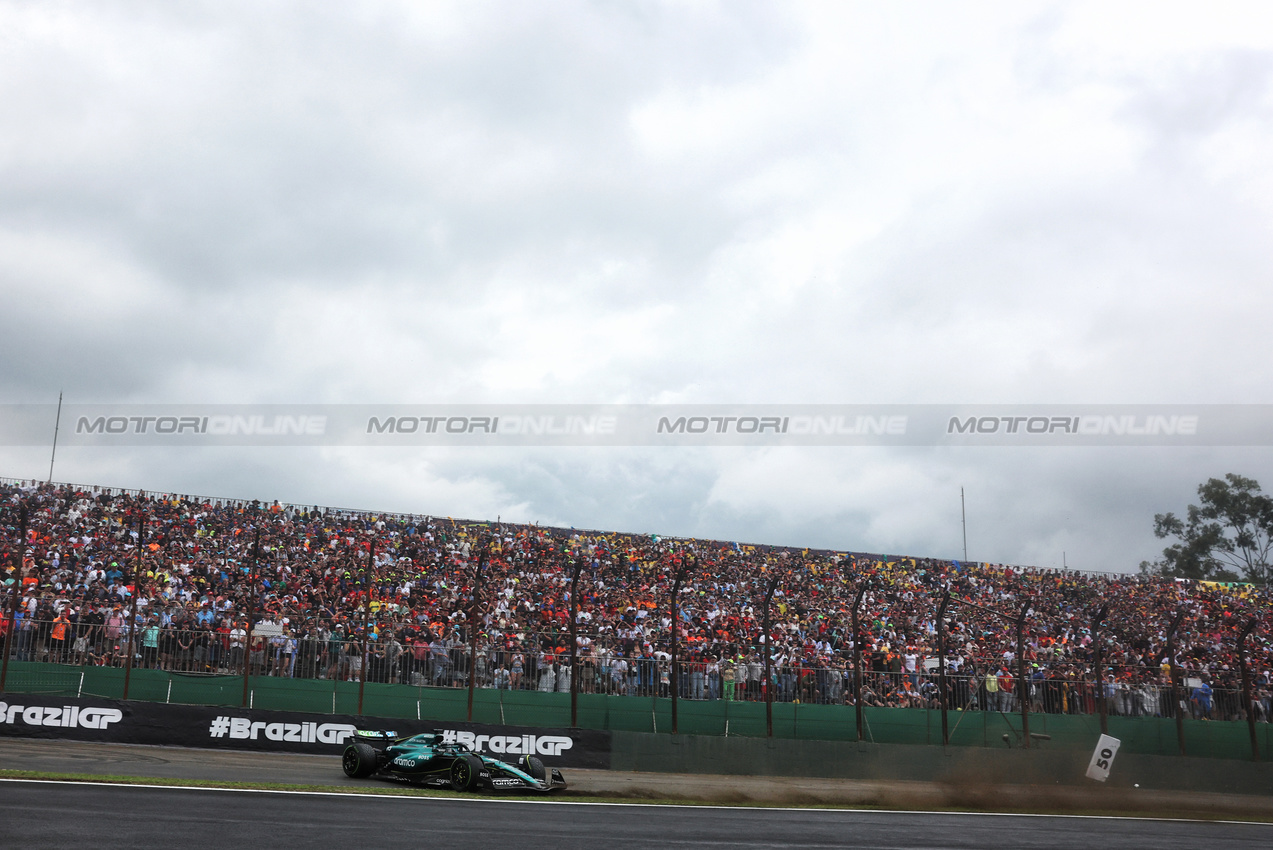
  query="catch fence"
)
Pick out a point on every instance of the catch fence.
point(199, 664)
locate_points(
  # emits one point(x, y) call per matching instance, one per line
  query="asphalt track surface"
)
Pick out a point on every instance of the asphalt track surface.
point(101, 759)
point(40, 814)
point(50, 814)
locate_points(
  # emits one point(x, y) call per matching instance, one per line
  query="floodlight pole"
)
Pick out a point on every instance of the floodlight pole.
point(963, 516)
point(57, 424)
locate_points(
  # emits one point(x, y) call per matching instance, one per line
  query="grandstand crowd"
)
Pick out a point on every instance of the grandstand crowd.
point(319, 593)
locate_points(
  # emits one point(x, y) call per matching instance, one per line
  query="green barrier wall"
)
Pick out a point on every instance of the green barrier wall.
point(715, 719)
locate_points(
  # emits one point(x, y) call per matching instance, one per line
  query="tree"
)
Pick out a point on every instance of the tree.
point(1228, 536)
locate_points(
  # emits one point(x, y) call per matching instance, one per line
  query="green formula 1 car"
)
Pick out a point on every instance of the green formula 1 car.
point(429, 759)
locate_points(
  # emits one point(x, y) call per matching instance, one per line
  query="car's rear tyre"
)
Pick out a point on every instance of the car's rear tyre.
point(464, 771)
point(534, 767)
point(359, 760)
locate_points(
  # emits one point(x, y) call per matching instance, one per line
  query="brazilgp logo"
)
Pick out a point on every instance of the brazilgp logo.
point(546, 745)
point(65, 717)
point(243, 729)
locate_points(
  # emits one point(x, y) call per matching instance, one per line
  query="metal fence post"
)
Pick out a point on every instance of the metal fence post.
point(1024, 685)
point(247, 633)
point(676, 670)
point(132, 616)
point(769, 688)
point(857, 660)
point(1247, 703)
point(367, 584)
point(941, 667)
point(574, 643)
point(477, 590)
point(1175, 692)
point(1101, 707)
point(19, 556)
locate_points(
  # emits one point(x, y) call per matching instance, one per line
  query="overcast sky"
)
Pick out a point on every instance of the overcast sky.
point(574, 202)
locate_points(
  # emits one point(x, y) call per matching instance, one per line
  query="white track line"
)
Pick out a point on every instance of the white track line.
point(551, 802)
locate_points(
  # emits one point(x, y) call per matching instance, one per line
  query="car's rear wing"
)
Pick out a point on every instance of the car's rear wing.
point(374, 735)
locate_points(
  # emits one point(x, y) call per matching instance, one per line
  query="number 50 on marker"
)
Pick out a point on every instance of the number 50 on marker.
point(1103, 758)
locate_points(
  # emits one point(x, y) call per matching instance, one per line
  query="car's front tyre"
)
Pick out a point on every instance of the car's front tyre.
point(534, 767)
point(464, 772)
point(359, 760)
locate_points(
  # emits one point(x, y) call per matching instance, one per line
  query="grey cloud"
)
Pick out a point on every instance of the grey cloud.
point(266, 148)
point(290, 202)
